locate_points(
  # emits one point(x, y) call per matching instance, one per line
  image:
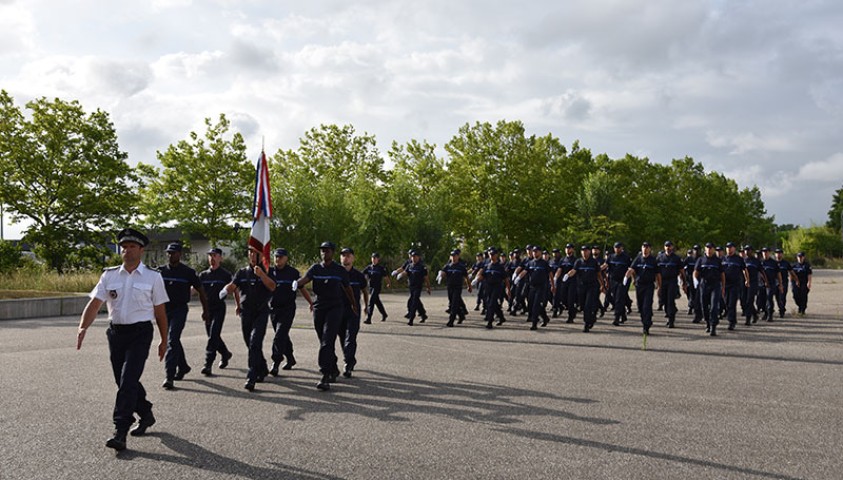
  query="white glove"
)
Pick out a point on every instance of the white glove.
point(565, 278)
point(474, 282)
point(680, 282)
point(696, 283)
point(394, 273)
point(439, 278)
point(517, 279)
point(295, 285)
point(223, 294)
point(625, 281)
point(400, 276)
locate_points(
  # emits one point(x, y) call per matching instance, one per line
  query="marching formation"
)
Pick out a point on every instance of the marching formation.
point(540, 285)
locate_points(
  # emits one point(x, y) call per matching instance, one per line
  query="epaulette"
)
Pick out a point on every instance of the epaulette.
point(110, 268)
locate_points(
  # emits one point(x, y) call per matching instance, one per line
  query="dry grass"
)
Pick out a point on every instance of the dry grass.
point(29, 283)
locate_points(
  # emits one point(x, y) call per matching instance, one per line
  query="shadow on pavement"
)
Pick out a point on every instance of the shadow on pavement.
point(192, 455)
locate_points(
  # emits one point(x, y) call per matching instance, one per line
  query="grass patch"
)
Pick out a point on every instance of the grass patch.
point(47, 283)
point(18, 294)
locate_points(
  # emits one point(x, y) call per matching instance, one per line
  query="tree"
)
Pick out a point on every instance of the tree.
point(205, 184)
point(65, 173)
point(835, 213)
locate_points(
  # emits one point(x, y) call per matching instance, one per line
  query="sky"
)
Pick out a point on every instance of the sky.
point(752, 89)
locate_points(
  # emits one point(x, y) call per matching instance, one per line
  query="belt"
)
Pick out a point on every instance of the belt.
point(118, 327)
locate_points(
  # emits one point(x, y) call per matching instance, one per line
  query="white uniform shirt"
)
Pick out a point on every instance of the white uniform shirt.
point(131, 297)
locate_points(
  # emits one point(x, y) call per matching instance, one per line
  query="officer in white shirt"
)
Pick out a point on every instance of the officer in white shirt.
point(135, 296)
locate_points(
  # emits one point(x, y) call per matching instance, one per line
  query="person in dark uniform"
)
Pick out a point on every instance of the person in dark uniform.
point(494, 276)
point(645, 269)
point(178, 278)
point(350, 325)
point(597, 254)
point(479, 262)
point(616, 267)
point(709, 274)
point(255, 288)
point(689, 263)
point(589, 283)
point(556, 303)
point(567, 291)
point(331, 285)
point(455, 274)
point(786, 270)
point(803, 271)
point(135, 296)
point(416, 279)
point(670, 273)
point(213, 280)
point(734, 275)
point(774, 283)
point(538, 275)
point(283, 310)
point(753, 274)
point(375, 274)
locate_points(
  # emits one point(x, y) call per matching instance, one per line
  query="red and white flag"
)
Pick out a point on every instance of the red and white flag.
point(262, 212)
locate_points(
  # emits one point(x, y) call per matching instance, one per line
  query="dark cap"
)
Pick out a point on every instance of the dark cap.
point(765, 249)
point(595, 247)
point(748, 247)
point(516, 251)
point(493, 251)
point(709, 245)
point(779, 250)
point(414, 253)
point(800, 254)
point(132, 235)
point(668, 243)
point(730, 244)
point(617, 245)
point(215, 251)
point(327, 246)
point(718, 248)
point(696, 247)
point(536, 247)
point(645, 244)
point(173, 247)
point(376, 255)
point(281, 252)
point(456, 251)
point(478, 254)
point(569, 245)
point(347, 251)
point(585, 247)
point(556, 250)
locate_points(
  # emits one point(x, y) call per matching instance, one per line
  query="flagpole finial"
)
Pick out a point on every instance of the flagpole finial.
point(263, 140)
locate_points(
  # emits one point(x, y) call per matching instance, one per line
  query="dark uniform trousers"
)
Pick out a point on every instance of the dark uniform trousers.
point(213, 328)
point(781, 297)
point(770, 298)
point(128, 346)
point(618, 293)
point(282, 321)
point(644, 299)
point(669, 292)
point(481, 294)
point(733, 292)
point(456, 307)
point(327, 321)
point(348, 330)
point(174, 359)
point(589, 300)
point(751, 294)
point(375, 301)
point(800, 296)
point(414, 303)
point(494, 295)
point(538, 295)
point(253, 324)
point(710, 293)
point(569, 297)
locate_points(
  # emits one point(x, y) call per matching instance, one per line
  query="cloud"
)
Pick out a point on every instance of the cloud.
point(828, 170)
point(750, 142)
point(17, 27)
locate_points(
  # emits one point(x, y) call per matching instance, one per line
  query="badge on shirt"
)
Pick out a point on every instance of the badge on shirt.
point(112, 293)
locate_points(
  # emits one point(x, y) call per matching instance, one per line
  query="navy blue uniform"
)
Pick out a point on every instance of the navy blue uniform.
point(670, 267)
point(416, 272)
point(254, 314)
point(588, 287)
point(733, 270)
point(567, 290)
point(753, 270)
point(350, 325)
point(538, 271)
point(494, 276)
point(283, 305)
point(212, 282)
point(375, 275)
point(781, 299)
point(800, 290)
point(689, 263)
point(455, 275)
point(768, 301)
point(646, 268)
point(177, 281)
point(328, 282)
point(618, 293)
point(710, 290)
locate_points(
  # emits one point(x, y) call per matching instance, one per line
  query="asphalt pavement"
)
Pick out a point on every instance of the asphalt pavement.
point(428, 401)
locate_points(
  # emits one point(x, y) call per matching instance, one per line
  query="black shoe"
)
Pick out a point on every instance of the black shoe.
point(274, 370)
point(167, 385)
point(291, 362)
point(602, 312)
point(181, 373)
point(781, 313)
point(384, 318)
point(707, 329)
point(586, 328)
point(225, 359)
point(368, 321)
point(117, 441)
point(646, 330)
point(410, 323)
point(460, 320)
point(206, 371)
point(347, 373)
point(747, 322)
point(407, 316)
point(332, 378)
point(144, 423)
point(696, 320)
point(616, 323)
point(450, 323)
point(570, 320)
point(534, 327)
point(754, 317)
point(423, 318)
point(544, 323)
point(260, 378)
point(477, 307)
point(324, 384)
point(489, 325)
point(713, 332)
point(249, 385)
point(731, 326)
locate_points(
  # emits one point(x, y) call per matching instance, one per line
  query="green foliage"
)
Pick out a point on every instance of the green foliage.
point(10, 256)
point(205, 184)
point(835, 213)
point(815, 241)
point(65, 173)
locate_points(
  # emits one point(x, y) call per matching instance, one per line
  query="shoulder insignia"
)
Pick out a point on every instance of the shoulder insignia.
point(106, 269)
